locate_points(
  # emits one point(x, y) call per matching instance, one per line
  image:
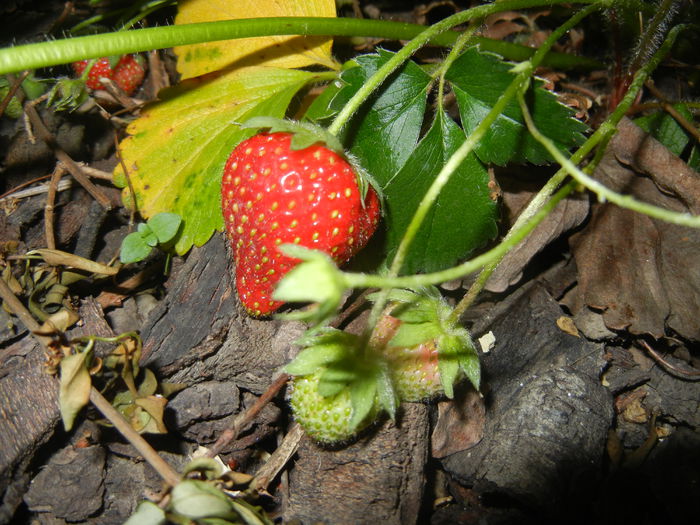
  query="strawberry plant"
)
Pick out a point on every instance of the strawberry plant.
point(301, 159)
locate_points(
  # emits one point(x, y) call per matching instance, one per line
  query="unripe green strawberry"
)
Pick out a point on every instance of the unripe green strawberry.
point(326, 419)
point(128, 73)
point(425, 348)
point(413, 370)
point(273, 195)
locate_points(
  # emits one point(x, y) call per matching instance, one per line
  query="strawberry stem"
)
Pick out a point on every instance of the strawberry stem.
point(414, 45)
point(519, 83)
point(62, 51)
point(600, 137)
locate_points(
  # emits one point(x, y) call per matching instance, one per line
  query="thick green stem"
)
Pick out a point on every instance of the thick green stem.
point(55, 52)
point(429, 34)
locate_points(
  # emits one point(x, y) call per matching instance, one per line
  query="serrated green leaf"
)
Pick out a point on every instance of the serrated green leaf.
point(311, 359)
point(384, 133)
point(147, 513)
point(134, 249)
point(478, 79)
point(664, 128)
point(177, 149)
point(462, 219)
point(74, 387)
point(165, 226)
point(363, 398)
point(322, 108)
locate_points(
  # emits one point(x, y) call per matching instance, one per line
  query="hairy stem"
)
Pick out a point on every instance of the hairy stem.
point(599, 138)
point(55, 52)
point(430, 33)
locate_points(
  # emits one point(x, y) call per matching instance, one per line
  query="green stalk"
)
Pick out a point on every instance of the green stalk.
point(603, 192)
point(55, 52)
point(524, 72)
point(599, 138)
point(361, 280)
point(428, 35)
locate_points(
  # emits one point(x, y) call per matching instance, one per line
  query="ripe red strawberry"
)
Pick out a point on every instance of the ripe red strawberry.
point(128, 73)
point(273, 195)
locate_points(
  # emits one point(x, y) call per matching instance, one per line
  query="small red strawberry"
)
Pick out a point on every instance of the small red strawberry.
point(273, 194)
point(128, 73)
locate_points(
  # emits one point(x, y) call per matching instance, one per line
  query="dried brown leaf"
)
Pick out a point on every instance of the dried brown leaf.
point(641, 272)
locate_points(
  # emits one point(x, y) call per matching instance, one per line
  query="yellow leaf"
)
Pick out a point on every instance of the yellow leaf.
point(279, 51)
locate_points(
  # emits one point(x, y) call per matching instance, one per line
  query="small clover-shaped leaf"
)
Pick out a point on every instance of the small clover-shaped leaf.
point(165, 226)
point(134, 248)
point(148, 236)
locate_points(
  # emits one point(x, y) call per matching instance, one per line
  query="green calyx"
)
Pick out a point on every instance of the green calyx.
point(304, 134)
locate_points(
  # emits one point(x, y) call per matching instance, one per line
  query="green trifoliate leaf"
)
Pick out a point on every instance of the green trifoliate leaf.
point(461, 219)
point(478, 79)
